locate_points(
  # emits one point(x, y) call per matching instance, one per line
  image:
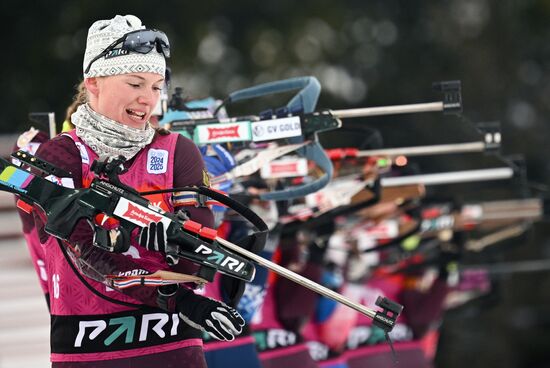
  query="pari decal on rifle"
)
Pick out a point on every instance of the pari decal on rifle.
point(220, 259)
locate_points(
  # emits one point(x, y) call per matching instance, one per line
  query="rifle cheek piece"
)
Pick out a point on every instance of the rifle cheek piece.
point(386, 318)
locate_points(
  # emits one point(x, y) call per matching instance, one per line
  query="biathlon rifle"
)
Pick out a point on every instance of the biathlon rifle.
point(489, 143)
point(513, 218)
point(358, 196)
point(350, 190)
point(488, 214)
point(106, 195)
point(298, 122)
point(359, 192)
point(298, 116)
point(64, 207)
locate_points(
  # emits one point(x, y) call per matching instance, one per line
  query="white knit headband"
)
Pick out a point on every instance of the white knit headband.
point(102, 34)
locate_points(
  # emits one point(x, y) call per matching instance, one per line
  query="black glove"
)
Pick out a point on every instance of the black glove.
point(153, 237)
point(114, 240)
point(216, 318)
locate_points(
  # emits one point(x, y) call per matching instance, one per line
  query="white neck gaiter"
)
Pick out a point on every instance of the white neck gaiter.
point(107, 137)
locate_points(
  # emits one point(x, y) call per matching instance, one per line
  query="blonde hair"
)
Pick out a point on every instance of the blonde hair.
point(81, 97)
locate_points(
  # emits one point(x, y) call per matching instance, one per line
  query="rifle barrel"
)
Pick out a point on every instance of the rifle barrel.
point(298, 278)
point(426, 150)
point(538, 265)
point(450, 177)
point(512, 205)
point(477, 245)
point(388, 110)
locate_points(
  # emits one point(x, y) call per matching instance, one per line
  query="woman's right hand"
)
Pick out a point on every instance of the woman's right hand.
point(154, 237)
point(214, 317)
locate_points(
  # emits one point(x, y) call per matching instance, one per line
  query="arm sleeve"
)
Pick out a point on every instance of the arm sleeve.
point(189, 170)
point(92, 262)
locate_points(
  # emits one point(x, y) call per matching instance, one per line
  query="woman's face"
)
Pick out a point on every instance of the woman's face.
point(128, 98)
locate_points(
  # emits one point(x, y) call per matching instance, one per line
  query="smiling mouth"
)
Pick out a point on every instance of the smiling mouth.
point(139, 115)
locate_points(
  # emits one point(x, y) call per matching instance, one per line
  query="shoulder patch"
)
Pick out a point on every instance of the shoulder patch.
point(157, 161)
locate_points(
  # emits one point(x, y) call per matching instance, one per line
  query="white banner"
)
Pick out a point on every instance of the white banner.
point(219, 133)
point(285, 168)
point(266, 130)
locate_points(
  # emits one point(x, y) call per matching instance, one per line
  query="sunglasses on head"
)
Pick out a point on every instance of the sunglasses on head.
point(141, 41)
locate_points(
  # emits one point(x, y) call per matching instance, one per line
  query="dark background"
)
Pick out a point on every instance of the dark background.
point(364, 54)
